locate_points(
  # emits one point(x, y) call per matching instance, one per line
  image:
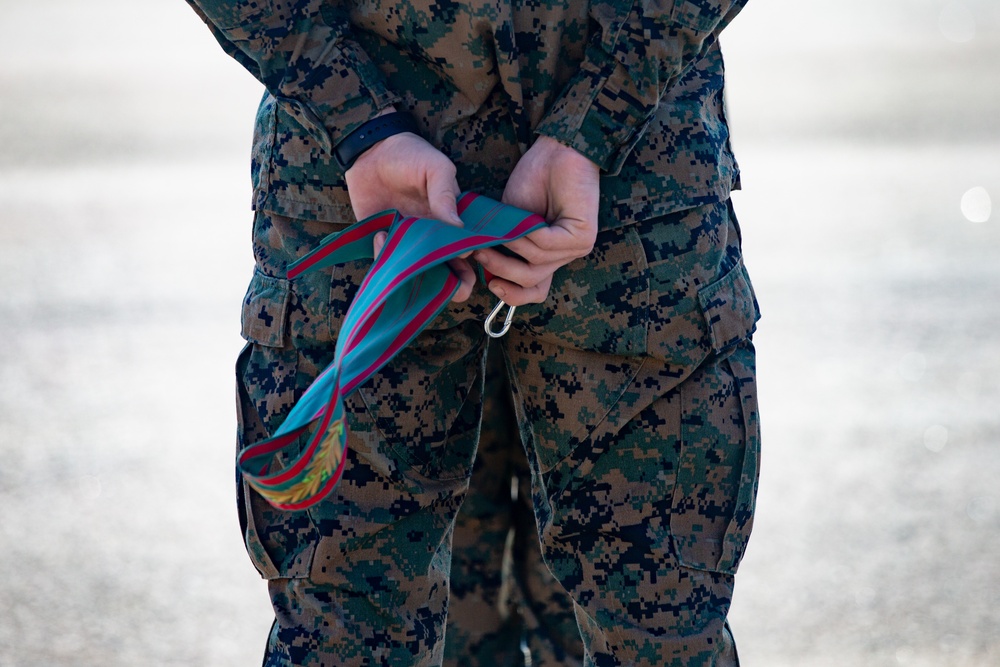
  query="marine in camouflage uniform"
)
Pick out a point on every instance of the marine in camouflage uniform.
point(632, 384)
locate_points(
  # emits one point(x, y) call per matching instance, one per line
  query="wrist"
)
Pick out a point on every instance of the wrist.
point(552, 146)
point(383, 126)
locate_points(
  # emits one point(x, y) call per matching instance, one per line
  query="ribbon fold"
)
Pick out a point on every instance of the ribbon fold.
point(408, 284)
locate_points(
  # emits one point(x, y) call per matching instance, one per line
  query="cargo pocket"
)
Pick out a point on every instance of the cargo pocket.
point(649, 289)
point(685, 330)
point(270, 370)
point(730, 309)
point(716, 486)
point(279, 543)
point(265, 310)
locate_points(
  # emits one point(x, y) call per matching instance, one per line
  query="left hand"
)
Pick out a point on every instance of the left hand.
point(406, 173)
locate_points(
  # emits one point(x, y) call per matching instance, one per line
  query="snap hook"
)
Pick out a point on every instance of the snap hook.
point(488, 325)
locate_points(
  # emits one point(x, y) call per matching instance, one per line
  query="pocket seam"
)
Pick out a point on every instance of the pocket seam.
point(732, 542)
point(729, 309)
point(581, 436)
point(683, 13)
point(259, 557)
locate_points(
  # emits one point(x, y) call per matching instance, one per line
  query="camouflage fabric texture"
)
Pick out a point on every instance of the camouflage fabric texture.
point(637, 87)
point(505, 604)
point(632, 386)
point(634, 395)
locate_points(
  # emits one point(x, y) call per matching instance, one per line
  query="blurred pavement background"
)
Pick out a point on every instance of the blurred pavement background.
point(869, 136)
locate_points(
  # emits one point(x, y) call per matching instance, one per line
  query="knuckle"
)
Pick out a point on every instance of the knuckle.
point(533, 254)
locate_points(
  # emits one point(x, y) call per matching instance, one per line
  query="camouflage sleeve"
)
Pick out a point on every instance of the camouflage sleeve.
point(640, 49)
point(302, 51)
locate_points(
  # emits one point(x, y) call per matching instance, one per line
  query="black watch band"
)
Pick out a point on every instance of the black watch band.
point(370, 133)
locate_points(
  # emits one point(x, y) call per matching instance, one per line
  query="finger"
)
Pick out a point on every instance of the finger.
point(466, 275)
point(566, 232)
point(515, 295)
point(442, 196)
point(379, 242)
point(533, 253)
point(551, 253)
point(514, 269)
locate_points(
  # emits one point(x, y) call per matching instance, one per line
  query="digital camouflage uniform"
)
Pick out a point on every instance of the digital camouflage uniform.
point(504, 601)
point(632, 385)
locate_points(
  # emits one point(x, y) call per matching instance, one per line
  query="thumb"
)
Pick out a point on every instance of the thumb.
point(442, 198)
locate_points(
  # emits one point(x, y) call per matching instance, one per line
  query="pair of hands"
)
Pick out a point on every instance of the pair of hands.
point(407, 173)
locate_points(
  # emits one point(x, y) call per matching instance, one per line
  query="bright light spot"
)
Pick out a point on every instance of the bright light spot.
point(912, 366)
point(976, 205)
point(981, 508)
point(957, 23)
point(935, 437)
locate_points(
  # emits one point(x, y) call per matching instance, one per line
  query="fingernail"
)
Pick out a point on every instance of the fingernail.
point(499, 291)
point(479, 257)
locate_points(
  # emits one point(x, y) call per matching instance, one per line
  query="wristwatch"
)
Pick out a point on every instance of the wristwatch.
point(370, 133)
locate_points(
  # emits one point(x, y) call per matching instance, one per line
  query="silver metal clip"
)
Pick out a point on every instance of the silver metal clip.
point(488, 325)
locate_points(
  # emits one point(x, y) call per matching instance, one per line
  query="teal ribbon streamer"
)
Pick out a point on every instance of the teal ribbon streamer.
point(407, 286)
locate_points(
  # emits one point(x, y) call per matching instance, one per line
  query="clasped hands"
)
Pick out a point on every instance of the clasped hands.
point(407, 173)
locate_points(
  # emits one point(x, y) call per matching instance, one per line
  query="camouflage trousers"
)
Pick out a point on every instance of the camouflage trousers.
point(506, 608)
point(634, 396)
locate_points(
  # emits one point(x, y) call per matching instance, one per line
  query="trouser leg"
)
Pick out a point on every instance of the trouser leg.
point(506, 607)
point(644, 521)
point(550, 633)
point(483, 628)
point(642, 480)
point(635, 391)
point(362, 577)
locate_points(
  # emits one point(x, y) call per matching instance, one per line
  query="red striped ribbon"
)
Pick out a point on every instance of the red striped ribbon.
point(408, 284)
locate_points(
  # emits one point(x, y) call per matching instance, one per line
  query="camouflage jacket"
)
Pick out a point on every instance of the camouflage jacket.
point(636, 86)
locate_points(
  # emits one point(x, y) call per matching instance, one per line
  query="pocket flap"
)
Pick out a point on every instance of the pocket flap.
point(697, 15)
point(730, 308)
point(265, 310)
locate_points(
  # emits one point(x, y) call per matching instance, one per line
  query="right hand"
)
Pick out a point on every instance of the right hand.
point(563, 186)
point(406, 173)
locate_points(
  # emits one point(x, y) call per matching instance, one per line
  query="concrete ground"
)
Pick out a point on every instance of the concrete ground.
point(869, 135)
